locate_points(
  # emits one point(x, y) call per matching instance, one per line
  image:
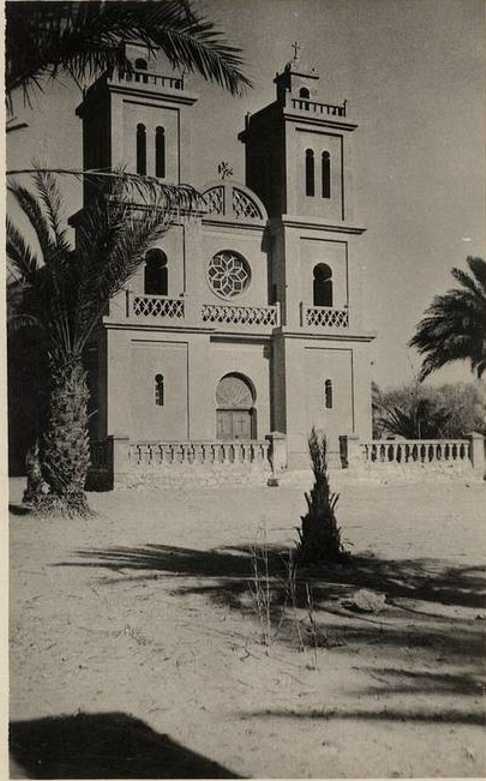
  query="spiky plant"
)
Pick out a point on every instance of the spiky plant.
point(63, 296)
point(84, 39)
point(454, 326)
point(319, 535)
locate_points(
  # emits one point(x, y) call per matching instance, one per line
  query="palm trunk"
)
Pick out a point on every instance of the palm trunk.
point(65, 452)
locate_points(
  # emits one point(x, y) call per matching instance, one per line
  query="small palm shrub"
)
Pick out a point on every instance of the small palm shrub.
point(319, 535)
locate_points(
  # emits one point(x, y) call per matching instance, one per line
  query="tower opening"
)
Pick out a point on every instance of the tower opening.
point(326, 175)
point(309, 173)
point(322, 285)
point(156, 275)
point(141, 150)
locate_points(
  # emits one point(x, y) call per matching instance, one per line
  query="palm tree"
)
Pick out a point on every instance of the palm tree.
point(85, 38)
point(454, 326)
point(63, 296)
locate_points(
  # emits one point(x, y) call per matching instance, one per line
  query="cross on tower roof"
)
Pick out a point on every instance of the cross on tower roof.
point(296, 47)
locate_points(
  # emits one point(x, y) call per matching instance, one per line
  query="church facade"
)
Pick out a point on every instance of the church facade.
point(247, 318)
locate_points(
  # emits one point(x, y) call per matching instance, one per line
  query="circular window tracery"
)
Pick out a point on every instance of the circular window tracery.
point(228, 274)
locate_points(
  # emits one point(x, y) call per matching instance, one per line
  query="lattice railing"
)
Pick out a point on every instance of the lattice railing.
point(156, 306)
point(324, 317)
point(418, 451)
point(199, 453)
point(245, 207)
point(240, 315)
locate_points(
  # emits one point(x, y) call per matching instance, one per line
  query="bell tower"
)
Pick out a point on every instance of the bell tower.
point(135, 118)
point(298, 149)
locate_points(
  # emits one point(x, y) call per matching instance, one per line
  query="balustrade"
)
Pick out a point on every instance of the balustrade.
point(324, 316)
point(249, 452)
point(319, 108)
point(240, 315)
point(419, 451)
point(146, 307)
point(155, 79)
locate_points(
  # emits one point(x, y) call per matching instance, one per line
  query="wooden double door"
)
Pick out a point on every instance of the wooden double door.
point(234, 424)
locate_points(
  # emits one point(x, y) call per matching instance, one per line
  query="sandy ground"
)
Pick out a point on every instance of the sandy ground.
point(136, 649)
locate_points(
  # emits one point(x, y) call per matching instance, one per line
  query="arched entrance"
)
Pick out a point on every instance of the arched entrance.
point(235, 413)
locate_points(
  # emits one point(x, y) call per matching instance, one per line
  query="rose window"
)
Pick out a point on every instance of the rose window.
point(229, 274)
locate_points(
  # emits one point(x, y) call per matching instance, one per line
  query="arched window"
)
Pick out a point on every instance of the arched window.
point(326, 175)
point(304, 93)
point(156, 276)
point(141, 64)
point(309, 173)
point(322, 285)
point(328, 394)
point(141, 150)
point(159, 390)
point(160, 152)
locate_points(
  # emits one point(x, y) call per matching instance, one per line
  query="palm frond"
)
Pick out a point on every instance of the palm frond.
point(454, 326)
point(52, 200)
point(85, 39)
point(32, 210)
point(19, 253)
point(478, 268)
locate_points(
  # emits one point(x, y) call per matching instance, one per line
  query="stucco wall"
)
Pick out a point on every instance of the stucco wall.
point(299, 139)
point(249, 244)
point(252, 361)
point(135, 112)
point(169, 359)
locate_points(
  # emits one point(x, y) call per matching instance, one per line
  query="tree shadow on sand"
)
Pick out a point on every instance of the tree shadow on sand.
point(416, 592)
point(424, 716)
point(428, 580)
point(108, 745)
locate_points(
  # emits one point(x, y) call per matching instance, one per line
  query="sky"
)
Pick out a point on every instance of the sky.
point(413, 72)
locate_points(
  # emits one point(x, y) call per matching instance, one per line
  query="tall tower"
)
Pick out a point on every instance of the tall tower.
point(298, 160)
point(135, 119)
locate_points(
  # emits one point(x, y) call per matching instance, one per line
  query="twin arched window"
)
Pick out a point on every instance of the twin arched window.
point(160, 166)
point(322, 285)
point(304, 93)
point(310, 186)
point(156, 275)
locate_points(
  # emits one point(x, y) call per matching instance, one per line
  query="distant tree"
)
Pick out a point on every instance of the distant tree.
point(416, 411)
point(44, 38)
point(62, 295)
point(454, 326)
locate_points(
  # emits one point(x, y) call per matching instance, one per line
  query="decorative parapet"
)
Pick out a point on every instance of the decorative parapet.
point(324, 317)
point(195, 453)
point(153, 79)
point(416, 451)
point(314, 107)
point(147, 307)
point(227, 314)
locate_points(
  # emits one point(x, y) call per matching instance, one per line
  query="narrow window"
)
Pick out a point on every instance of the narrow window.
point(326, 175)
point(159, 390)
point(141, 64)
point(156, 275)
point(160, 152)
point(141, 150)
point(328, 394)
point(304, 93)
point(309, 173)
point(322, 285)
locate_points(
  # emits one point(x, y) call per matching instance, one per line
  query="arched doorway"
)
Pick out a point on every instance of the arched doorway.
point(235, 413)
